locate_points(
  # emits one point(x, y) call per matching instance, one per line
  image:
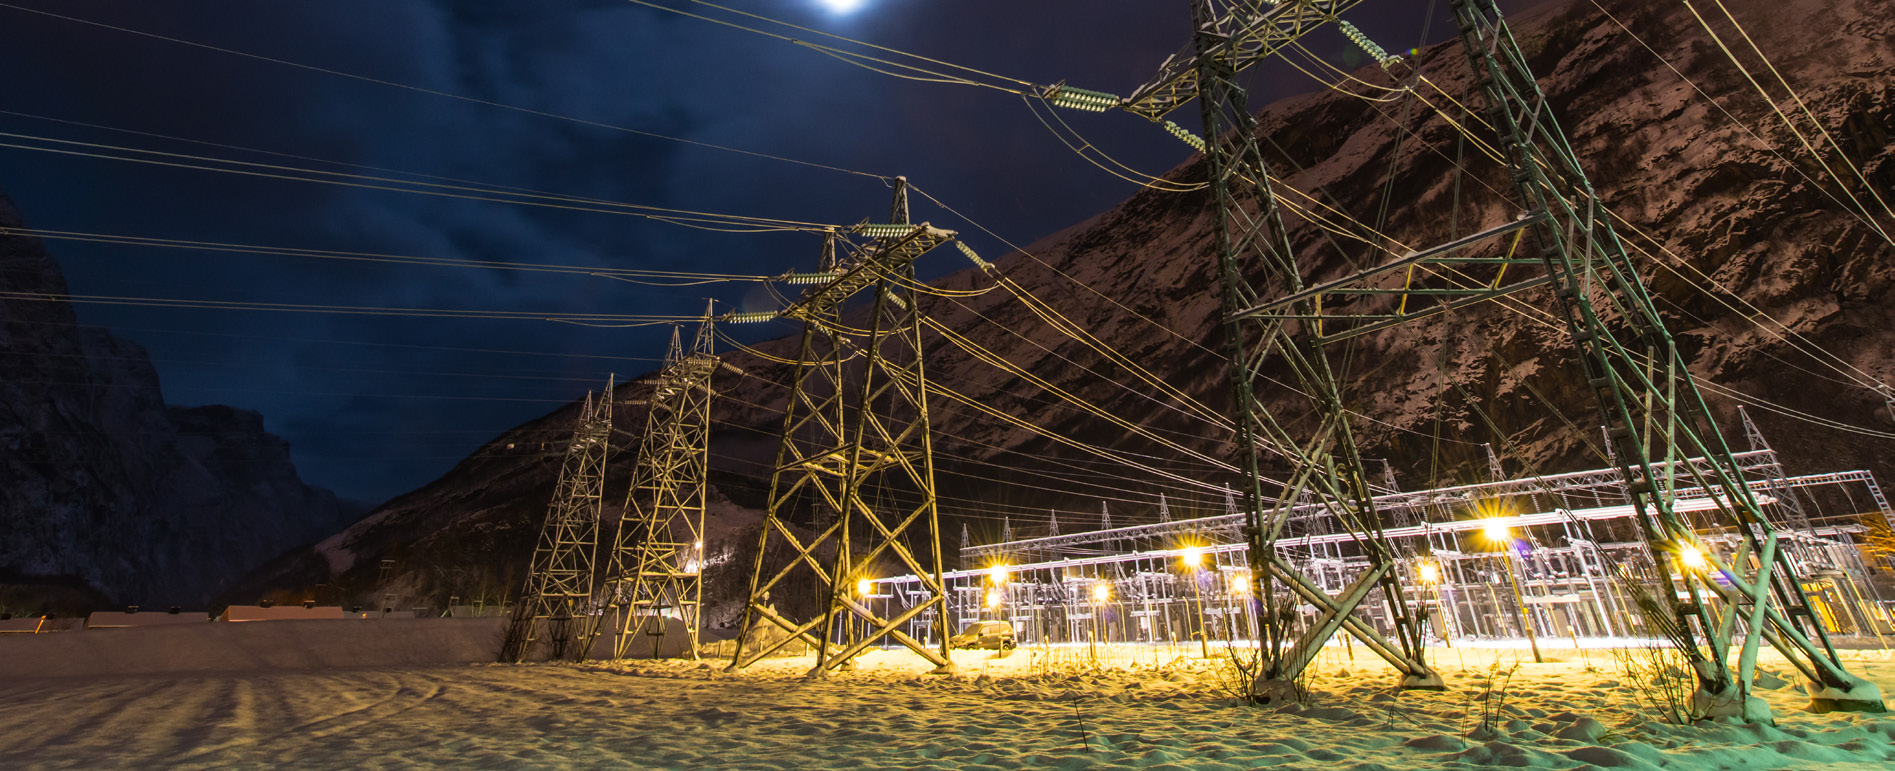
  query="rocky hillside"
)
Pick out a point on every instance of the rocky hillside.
point(104, 484)
point(1744, 223)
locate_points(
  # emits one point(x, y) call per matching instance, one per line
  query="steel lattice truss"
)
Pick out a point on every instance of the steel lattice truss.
point(560, 582)
point(856, 424)
point(659, 558)
point(1325, 466)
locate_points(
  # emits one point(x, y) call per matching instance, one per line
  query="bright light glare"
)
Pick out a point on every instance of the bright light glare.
point(1101, 592)
point(842, 6)
point(1429, 573)
point(1192, 556)
point(993, 598)
point(1692, 557)
point(1240, 582)
point(998, 574)
point(865, 587)
point(1496, 532)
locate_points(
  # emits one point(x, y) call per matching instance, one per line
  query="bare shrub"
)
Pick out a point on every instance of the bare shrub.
point(1659, 671)
point(1493, 698)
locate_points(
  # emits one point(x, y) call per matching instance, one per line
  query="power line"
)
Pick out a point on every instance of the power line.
point(353, 310)
point(364, 370)
point(369, 343)
point(686, 217)
point(918, 72)
point(660, 277)
point(434, 92)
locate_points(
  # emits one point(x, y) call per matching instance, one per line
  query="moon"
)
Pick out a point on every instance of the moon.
point(842, 6)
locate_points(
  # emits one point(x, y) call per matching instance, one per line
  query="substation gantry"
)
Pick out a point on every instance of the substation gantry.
point(856, 425)
point(557, 599)
point(657, 564)
point(1654, 415)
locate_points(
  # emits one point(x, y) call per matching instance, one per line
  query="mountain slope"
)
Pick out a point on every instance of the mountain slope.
point(106, 484)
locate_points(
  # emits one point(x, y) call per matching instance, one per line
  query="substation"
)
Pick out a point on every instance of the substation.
point(1540, 560)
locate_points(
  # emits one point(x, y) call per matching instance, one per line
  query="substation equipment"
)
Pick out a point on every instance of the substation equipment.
point(1569, 541)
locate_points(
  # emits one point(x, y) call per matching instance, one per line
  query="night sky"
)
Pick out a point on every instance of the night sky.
point(377, 405)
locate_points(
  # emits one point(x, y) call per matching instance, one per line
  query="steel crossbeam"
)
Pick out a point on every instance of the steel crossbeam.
point(1441, 254)
point(1606, 480)
point(847, 437)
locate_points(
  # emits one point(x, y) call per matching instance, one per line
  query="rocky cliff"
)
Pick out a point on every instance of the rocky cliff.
point(102, 482)
point(1776, 283)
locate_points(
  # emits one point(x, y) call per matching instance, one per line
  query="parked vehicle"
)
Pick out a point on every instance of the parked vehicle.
point(984, 635)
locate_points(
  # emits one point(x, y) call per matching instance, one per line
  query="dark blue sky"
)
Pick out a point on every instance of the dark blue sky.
point(374, 405)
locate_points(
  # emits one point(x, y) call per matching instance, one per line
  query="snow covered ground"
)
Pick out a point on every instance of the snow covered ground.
point(1146, 707)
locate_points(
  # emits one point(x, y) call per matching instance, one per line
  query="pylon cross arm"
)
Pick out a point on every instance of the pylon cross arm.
point(1247, 37)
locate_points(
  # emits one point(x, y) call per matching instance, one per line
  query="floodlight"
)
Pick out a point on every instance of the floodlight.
point(1192, 556)
point(1692, 557)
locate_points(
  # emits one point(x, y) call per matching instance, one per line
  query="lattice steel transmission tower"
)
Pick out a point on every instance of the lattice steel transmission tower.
point(856, 424)
point(1651, 404)
point(1251, 240)
point(658, 561)
point(557, 598)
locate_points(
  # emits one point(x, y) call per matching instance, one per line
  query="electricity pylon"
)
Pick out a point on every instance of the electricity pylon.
point(856, 423)
point(557, 598)
point(1652, 407)
point(1250, 239)
point(658, 562)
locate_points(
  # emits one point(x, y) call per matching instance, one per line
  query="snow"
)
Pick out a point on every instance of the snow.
point(411, 694)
